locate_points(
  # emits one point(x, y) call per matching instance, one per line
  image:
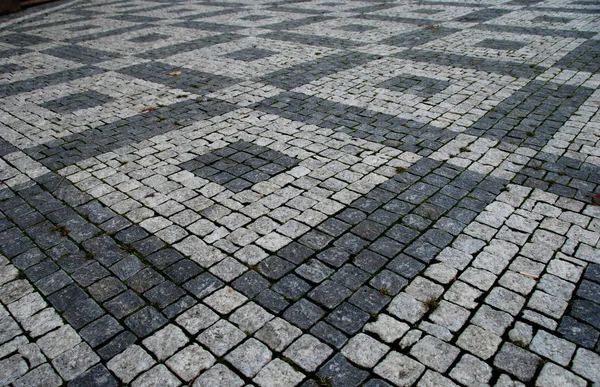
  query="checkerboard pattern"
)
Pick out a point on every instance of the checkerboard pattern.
point(314, 193)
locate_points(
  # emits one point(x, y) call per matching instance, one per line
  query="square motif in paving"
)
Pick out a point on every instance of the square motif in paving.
point(356, 28)
point(80, 54)
point(255, 17)
point(10, 68)
point(250, 54)
point(149, 38)
point(422, 86)
point(550, 19)
point(23, 40)
point(540, 49)
point(70, 103)
point(240, 165)
point(427, 11)
point(82, 28)
point(497, 44)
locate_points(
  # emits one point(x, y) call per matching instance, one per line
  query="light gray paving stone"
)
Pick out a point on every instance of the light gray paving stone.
point(441, 273)
point(75, 361)
point(278, 374)
point(41, 376)
point(434, 379)
point(462, 294)
point(587, 364)
point(481, 279)
point(228, 269)
point(410, 338)
point(42, 322)
point(471, 371)
point(190, 361)
point(130, 363)
point(32, 354)
point(12, 368)
point(218, 375)
point(58, 341)
point(438, 331)
point(517, 282)
point(492, 320)
point(423, 289)
point(157, 377)
point(221, 337)
point(547, 304)
point(505, 381)
point(166, 341)
point(517, 361)
point(225, 300)
point(449, 315)
point(27, 306)
point(399, 369)
point(308, 352)
point(539, 319)
point(556, 287)
point(13, 345)
point(435, 353)
point(505, 300)
point(249, 357)
point(521, 333)
point(479, 342)
point(407, 308)
point(555, 376)
point(364, 350)
point(387, 328)
point(197, 318)
point(552, 347)
point(251, 254)
point(460, 256)
point(564, 270)
point(278, 334)
point(250, 317)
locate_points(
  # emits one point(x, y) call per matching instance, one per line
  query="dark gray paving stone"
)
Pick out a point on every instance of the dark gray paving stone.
point(146, 321)
point(144, 279)
point(369, 261)
point(96, 376)
point(578, 332)
point(164, 294)
point(124, 304)
point(347, 318)
point(329, 334)
point(272, 301)
point(586, 311)
point(183, 270)
point(350, 276)
point(251, 284)
point(303, 314)
point(89, 274)
point(369, 299)
point(330, 294)
point(100, 331)
point(291, 286)
point(342, 372)
point(116, 345)
point(274, 267)
point(298, 253)
point(82, 313)
point(66, 297)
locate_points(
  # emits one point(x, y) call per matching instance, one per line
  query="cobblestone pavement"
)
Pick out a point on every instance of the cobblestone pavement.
point(316, 193)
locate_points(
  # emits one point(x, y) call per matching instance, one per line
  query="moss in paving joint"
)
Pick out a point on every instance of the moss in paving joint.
point(324, 381)
point(62, 230)
point(432, 304)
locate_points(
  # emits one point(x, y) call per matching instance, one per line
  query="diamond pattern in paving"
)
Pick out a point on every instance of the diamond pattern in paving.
point(300, 193)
